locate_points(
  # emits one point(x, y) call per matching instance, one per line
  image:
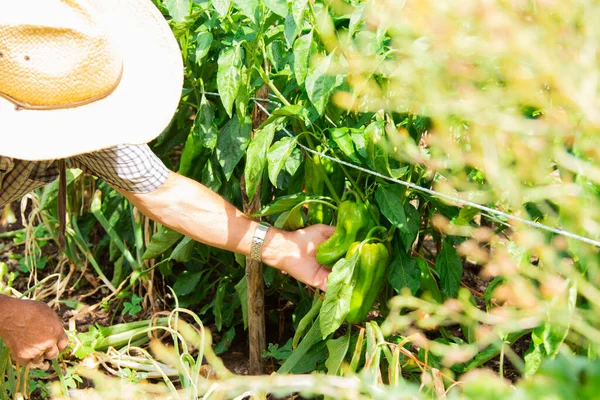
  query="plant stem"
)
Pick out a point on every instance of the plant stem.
point(268, 81)
point(11, 234)
point(324, 175)
point(61, 378)
point(354, 183)
point(328, 204)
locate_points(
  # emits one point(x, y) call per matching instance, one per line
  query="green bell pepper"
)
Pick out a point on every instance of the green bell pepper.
point(369, 274)
point(355, 220)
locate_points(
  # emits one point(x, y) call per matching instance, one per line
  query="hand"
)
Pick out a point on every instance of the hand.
point(31, 330)
point(294, 253)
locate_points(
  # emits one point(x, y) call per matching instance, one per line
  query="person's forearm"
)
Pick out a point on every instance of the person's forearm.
point(196, 211)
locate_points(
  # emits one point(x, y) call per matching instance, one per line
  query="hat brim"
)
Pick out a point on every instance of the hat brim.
point(138, 110)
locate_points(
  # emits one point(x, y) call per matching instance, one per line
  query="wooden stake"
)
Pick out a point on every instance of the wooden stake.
point(254, 270)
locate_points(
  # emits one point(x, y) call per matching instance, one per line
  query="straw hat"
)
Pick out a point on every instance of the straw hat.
point(83, 75)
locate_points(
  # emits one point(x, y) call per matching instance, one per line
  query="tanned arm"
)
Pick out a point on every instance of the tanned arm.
point(196, 211)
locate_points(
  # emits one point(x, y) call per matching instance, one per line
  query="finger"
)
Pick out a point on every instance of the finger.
point(63, 341)
point(43, 365)
point(37, 360)
point(327, 230)
point(51, 353)
point(320, 278)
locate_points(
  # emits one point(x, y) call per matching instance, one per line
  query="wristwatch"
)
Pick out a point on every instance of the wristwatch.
point(257, 241)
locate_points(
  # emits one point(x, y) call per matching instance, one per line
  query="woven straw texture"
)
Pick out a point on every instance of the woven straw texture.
point(83, 75)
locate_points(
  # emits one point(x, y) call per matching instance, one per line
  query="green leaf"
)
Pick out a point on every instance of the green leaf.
point(211, 178)
point(290, 30)
point(389, 198)
point(186, 282)
point(344, 141)
point(50, 192)
point(373, 352)
point(377, 154)
point(293, 162)
point(232, 144)
point(404, 272)
point(285, 203)
point(225, 342)
point(337, 349)
point(228, 76)
point(178, 9)
point(204, 40)
point(200, 142)
point(116, 240)
point(429, 286)
point(279, 7)
point(358, 138)
point(307, 319)
point(278, 155)
point(409, 232)
point(302, 56)
point(450, 268)
point(296, 110)
point(241, 288)
point(319, 84)
point(469, 327)
point(277, 54)
point(248, 7)
point(398, 173)
point(203, 127)
point(184, 250)
point(554, 334)
point(256, 158)
point(161, 241)
point(465, 215)
point(313, 336)
point(336, 304)
point(243, 97)
point(535, 355)
point(219, 303)
point(489, 290)
point(222, 6)
point(356, 19)
point(278, 353)
point(298, 9)
point(290, 220)
point(485, 355)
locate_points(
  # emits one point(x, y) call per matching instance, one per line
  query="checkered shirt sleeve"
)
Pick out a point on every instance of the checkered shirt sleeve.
point(19, 177)
point(133, 168)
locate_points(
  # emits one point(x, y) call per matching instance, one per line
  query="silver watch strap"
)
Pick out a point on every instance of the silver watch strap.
point(257, 241)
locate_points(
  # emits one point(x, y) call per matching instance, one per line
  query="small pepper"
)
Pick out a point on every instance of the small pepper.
point(354, 223)
point(369, 275)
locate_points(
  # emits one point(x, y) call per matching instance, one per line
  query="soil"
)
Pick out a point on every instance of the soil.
point(474, 281)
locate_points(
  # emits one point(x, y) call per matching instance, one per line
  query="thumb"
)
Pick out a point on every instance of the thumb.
point(326, 230)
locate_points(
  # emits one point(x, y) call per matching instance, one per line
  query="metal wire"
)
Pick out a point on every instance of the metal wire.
point(440, 195)
point(422, 189)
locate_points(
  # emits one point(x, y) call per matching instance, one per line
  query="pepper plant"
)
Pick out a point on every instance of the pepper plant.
point(231, 50)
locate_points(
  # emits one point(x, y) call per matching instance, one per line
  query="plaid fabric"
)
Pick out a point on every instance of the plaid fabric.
point(133, 168)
